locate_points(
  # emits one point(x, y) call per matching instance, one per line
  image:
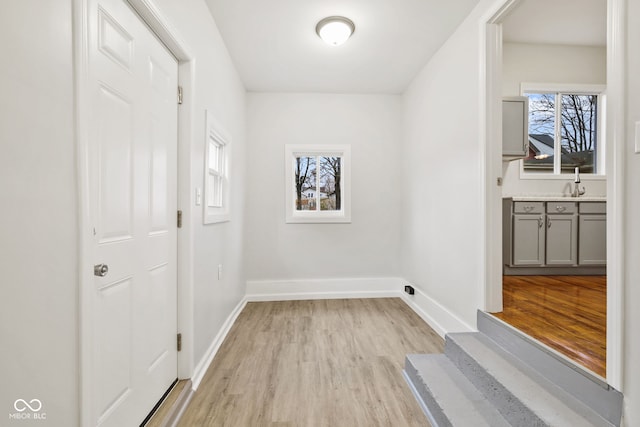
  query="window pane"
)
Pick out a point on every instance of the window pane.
point(305, 183)
point(214, 198)
point(542, 118)
point(578, 132)
point(330, 183)
point(216, 155)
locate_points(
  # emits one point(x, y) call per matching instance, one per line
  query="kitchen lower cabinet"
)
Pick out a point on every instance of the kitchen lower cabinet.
point(562, 239)
point(528, 234)
point(554, 236)
point(528, 240)
point(592, 237)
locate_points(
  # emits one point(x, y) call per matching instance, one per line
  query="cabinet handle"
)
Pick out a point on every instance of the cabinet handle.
point(561, 208)
point(528, 209)
point(548, 222)
point(540, 222)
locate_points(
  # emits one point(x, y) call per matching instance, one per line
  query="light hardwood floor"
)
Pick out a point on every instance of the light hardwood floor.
point(568, 313)
point(315, 363)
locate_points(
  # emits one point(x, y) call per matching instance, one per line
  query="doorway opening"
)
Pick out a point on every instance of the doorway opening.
point(593, 339)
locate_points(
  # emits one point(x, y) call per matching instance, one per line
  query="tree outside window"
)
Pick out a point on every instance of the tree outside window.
point(318, 183)
point(572, 119)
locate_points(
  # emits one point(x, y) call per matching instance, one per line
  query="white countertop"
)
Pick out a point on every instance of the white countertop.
point(558, 198)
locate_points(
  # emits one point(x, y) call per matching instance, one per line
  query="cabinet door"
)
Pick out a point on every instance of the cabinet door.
point(515, 129)
point(528, 239)
point(593, 240)
point(562, 239)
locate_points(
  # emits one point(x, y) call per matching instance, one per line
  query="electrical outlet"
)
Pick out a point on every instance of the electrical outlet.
point(219, 271)
point(409, 289)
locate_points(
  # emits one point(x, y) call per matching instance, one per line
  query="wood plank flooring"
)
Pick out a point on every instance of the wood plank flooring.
point(567, 313)
point(315, 363)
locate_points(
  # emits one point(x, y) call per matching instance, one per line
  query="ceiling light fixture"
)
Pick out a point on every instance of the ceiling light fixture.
point(335, 30)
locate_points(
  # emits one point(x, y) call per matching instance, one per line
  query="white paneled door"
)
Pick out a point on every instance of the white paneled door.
point(132, 81)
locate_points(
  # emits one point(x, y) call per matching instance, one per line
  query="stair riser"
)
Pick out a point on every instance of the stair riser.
point(587, 388)
point(512, 409)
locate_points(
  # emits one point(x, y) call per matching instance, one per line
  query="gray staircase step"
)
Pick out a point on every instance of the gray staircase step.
point(582, 384)
point(450, 398)
point(523, 396)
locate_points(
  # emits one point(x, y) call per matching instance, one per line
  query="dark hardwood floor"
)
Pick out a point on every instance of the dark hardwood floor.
point(567, 313)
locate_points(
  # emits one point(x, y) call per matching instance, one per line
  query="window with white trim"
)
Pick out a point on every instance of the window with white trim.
point(565, 130)
point(216, 183)
point(318, 183)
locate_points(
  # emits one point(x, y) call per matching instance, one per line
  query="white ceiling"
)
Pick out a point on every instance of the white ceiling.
point(569, 22)
point(275, 48)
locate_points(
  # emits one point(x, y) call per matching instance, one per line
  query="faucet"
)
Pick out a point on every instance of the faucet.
point(577, 192)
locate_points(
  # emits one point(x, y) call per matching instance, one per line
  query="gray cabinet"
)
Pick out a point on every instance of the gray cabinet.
point(528, 240)
point(562, 234)
point(549, 237)
point(528, 234)
point(593, 234)
point(515, 127)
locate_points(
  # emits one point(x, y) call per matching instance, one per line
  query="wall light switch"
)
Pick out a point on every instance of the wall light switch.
point(219, 271)
point(637, 137)
point(198, 196)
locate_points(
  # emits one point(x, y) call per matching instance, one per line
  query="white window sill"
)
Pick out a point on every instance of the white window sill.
point(319, 218)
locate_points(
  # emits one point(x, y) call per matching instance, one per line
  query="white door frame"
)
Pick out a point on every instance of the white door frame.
point(169, 36)
point(491, 110)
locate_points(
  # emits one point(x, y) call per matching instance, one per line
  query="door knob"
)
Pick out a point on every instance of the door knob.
point(100, 270)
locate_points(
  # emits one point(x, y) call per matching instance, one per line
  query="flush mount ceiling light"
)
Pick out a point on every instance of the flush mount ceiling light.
point(335, 30)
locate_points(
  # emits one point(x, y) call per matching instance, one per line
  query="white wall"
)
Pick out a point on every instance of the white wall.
point(217, 87)
point(38, 238)
point(632, 227)
point(530, 63)
point(368, 246)
point(441, 174)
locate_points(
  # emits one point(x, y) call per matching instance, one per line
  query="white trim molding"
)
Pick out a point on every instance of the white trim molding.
point(615, 157)
point(205, 361)
point(305, 289)
point(441, 319)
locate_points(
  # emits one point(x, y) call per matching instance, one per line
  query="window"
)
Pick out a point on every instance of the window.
point(318, 183)
point(572, 117)
point(216, 184)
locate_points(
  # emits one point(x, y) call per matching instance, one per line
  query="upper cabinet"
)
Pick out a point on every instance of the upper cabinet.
point(515, 127)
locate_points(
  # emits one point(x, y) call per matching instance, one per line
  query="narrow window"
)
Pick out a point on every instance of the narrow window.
point(216, 180)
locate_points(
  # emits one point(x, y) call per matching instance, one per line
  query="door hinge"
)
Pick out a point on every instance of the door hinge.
point(179, 342)
point(179, 219)
point(179, 95)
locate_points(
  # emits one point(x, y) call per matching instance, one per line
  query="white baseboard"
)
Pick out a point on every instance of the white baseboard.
point(441, 319)
point(304, 289)
point(203, 365)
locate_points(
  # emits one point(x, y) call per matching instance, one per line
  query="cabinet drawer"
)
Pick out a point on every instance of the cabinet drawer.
point(561, 207)
point(528, 207)
point(593, 207)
